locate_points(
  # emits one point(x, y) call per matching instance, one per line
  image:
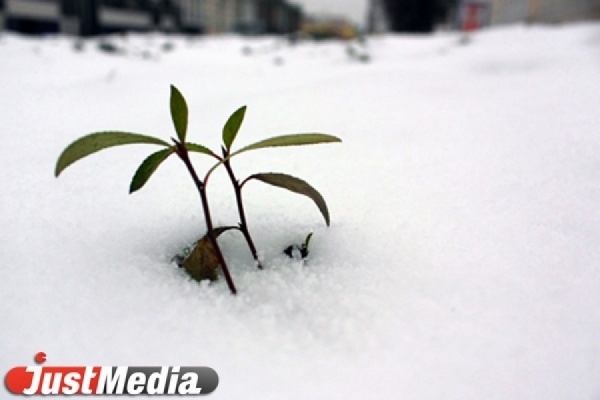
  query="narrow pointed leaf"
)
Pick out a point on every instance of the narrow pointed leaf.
point(94, 142)
point(295, 185)
point(147, 168)
point(198, 148)
point(307, 241)
point(179, 113)
point(232, 126)
point(298, 139)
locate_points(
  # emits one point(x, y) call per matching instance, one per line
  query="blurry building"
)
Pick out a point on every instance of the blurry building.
point(413, 16)
point(544, 11)
point(244, 16)
point(88, 17)
point(277, 16)
point(377, 19)
point(91, 17)
point(29, 17)
point(425, 15)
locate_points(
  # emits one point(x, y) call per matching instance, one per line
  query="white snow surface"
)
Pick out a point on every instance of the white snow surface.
point(463, 259)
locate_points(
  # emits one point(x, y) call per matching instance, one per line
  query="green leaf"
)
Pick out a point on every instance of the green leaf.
point(232, 126)
point(147, 168)
point(307, 241)
point(298, 139)
point(97, 141)
point(179, 113)
point(295, 185)
point(198, 148)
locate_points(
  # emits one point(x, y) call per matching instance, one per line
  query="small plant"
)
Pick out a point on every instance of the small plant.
point(299, 251)
point(204, 260)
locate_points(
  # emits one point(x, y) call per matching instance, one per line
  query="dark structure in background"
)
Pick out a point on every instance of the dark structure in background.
point(410, 16)
point(88, 17)
point(420, 16)
point(17, 18)
point(278, 16)
point(94, 17)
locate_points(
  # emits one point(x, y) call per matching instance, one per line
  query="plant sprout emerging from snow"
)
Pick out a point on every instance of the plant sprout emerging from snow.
point(207, 256)
point(299, 251)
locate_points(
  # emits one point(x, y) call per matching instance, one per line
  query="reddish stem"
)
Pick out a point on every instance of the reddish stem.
point(182, 152)
point(240, 205)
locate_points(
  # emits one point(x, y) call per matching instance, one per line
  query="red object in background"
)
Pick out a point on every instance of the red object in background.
point(472, 16)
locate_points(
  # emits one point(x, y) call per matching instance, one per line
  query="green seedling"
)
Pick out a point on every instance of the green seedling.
point(299, 250)
point(207, 252)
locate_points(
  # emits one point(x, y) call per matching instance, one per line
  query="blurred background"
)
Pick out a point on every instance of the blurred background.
point(315, 18)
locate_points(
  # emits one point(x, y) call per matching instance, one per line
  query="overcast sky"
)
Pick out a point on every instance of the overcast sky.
point(354, 10)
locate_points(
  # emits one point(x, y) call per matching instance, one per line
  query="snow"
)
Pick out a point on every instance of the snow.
point(462, 261)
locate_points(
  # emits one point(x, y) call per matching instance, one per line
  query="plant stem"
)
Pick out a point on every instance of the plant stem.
point(182, 152)
point(243, 224)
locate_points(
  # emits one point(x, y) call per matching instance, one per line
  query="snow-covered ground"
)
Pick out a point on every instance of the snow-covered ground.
point(463, 260)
